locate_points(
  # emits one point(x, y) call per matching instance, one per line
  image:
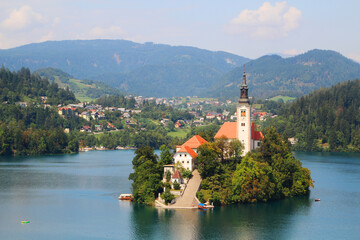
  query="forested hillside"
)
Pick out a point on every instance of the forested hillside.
point(273, 75)
point(136, 68)
point(31, 127)
point(84, 90)
point(327, 119)
point(24, 86)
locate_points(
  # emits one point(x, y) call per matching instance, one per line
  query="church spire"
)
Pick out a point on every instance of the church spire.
point(244, 78)
point(244, 98)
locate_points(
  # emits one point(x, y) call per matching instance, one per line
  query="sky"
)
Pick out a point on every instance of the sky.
point(246, 28)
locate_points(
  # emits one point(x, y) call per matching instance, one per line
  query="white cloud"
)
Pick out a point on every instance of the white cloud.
point(293, 52)
point(110, 32)
point(22, 18)
point(268, 21)
point(47, 37)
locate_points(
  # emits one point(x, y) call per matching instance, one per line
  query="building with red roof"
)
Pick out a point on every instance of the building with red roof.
point(186, 153)
point(243, 129)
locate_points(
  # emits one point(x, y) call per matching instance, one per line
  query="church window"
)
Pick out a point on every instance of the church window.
point(185, 155)
point(182, 161)
point(243, 124)
point(180, 155)
point(187, 161)
point(243, 113)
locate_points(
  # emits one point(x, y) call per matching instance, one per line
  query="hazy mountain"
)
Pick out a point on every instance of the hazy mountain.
point(273, 75)
point(146, 69)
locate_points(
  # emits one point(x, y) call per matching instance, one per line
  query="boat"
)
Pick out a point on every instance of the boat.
point(317, 200)
point(26, 221)
point(202, 206)
point(126, 196)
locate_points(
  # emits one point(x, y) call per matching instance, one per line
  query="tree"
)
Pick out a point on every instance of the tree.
point(176, 185)
point(147, 176)
point(167, 196)
point(165, 155)
point(207, 159)
point(186, 174)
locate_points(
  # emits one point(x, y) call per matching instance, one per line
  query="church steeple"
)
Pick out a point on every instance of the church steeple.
point(244, 98)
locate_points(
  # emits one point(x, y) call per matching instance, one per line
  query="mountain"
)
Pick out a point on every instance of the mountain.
point(327, 119)
point(273, 75)
point(145, 69)
point(84, 90)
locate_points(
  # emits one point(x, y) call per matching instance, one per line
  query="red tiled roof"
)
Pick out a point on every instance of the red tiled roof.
point(187, 149)
point(228, 129)
point(176, 175)
point(256, 135)
point(67, 108)
point(194, 142)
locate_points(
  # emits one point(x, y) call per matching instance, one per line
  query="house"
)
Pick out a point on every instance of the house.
point(85, 129)
point(170, 168)
point(176, 176)
point(292, 140)
point(67, 111)
point(136, 111)
point(22, 104)
point(109, 125)
point(211, 115)
point(177, 125)
point(165, 121)
point(98, 127)
point(101, 115)
point(186, 153)
point(85, 115)
point(243, 129)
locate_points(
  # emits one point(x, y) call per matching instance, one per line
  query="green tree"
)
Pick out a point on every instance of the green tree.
point(208, 159)
point(147, 176)
point(165, 155)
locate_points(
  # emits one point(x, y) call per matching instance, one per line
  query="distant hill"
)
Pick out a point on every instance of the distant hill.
point(326, 119)
point(84, 90)
point(145, 69)
point(273, 75)
point(24, 86)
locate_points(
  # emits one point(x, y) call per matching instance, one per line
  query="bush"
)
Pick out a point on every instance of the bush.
point(168, 176)
point(200, 196)
point(187, 174)
point(176, 185)
point(167, 196)
point(216, 199)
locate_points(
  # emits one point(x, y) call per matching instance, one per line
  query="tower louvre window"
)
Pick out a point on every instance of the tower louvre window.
point(243, 113)
point(243, 124)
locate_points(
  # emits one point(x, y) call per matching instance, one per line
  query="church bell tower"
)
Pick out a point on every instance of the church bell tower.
point(243, 116)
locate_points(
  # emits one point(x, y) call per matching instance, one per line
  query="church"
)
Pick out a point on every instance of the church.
point(243, 129)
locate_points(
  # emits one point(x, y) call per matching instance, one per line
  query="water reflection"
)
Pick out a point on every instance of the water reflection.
point(250, 221)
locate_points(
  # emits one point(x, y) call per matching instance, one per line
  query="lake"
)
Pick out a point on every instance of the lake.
point(75, 197)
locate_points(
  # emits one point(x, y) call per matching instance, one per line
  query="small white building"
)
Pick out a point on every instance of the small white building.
point(176, 177)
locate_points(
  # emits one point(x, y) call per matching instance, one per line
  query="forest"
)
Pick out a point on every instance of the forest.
point(325, 120)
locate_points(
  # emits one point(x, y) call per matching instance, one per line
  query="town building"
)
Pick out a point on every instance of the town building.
point(243, 129)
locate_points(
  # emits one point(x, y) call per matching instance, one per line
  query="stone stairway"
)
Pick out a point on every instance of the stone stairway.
point(188, 198)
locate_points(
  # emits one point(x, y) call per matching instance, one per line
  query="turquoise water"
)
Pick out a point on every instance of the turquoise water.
point(75, 197)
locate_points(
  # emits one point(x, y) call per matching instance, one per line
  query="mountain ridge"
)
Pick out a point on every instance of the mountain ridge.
point(272, 75)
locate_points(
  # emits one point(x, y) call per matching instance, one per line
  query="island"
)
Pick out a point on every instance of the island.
point(241, 165)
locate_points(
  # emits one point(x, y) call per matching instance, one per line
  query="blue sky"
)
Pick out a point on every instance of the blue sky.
point(247, 28)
